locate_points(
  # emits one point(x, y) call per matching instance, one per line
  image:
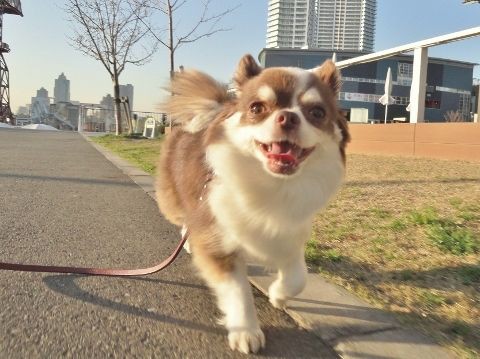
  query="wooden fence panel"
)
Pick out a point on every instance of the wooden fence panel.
point(459, 141)
point(391, 139)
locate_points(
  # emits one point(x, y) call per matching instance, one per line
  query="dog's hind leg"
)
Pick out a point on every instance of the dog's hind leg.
point(291, 280)
point(227, 276)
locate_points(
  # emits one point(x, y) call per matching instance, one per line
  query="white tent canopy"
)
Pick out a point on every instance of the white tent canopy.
point(39, 126)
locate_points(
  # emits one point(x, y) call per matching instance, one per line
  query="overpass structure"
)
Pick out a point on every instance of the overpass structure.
point(11, 7)
point(420, 61)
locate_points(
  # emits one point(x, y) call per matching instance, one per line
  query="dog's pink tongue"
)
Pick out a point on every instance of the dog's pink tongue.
point(281, 151)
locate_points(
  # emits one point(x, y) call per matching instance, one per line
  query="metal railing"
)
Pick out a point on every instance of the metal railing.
point(96, 119)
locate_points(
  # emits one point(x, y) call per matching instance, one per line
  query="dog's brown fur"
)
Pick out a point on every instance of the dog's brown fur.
point(178, 170)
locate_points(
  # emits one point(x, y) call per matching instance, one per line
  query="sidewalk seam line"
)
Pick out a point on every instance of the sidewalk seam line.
point(340, 338)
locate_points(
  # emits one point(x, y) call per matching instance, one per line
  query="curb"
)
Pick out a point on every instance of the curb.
point(351, 326)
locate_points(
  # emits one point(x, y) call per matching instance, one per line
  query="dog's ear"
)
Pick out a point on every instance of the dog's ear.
point(329, 74)
point(246, 69)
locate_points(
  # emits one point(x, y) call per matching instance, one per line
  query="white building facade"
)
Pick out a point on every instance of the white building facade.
point(347, 25)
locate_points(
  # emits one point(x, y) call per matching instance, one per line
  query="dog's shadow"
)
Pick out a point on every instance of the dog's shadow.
point(277, 337)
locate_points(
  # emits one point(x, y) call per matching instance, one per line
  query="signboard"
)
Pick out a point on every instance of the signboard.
point(150, 128)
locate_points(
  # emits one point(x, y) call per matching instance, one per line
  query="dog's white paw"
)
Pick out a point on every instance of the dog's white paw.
point(277, 299)
point(246, 341)
point(278, 303)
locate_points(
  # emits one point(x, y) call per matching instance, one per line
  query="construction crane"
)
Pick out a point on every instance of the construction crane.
point(11, 7)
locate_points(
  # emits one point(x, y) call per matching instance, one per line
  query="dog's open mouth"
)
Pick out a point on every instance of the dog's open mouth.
point(284, 156)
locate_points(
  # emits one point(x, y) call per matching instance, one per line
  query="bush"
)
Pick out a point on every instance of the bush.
point(453, 116)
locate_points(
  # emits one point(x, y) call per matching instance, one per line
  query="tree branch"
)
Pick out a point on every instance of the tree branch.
point(112, 32)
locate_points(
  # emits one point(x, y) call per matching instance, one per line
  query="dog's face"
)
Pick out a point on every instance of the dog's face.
point(285, 115)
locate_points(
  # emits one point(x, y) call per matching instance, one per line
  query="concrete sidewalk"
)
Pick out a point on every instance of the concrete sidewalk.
point(64, 203)
point(351, 326)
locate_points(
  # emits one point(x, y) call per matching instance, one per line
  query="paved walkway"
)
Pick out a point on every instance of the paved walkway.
point(62, 202)
point(67, 199)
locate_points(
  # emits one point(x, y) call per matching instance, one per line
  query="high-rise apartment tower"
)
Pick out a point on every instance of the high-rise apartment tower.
point(322, 24)
point(61, 91)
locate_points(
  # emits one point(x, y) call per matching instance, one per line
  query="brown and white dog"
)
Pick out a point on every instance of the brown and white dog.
point(246, 175)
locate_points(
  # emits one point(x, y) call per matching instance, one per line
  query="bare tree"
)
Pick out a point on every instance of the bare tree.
point(453, 116)
point(114, 33)
point(206, 25)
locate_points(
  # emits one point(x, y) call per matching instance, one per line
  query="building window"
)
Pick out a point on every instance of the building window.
point(405, 71)
point(431, 103)
point(401, 100)
point(464, 105)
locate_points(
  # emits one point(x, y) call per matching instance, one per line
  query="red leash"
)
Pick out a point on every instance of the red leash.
point(97, 271)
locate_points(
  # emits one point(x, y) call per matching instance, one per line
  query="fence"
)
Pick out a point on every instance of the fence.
point(459, 141)
point(97, 119)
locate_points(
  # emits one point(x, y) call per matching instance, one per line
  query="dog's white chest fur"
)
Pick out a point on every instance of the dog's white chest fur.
point(269, 218)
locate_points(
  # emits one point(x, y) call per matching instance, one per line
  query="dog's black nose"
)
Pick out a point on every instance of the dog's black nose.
point(288, 121)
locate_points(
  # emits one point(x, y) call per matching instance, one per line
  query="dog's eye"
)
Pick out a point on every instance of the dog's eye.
point(317, 112)
point(257, 108)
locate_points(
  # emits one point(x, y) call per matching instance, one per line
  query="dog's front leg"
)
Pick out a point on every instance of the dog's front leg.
point(291, 280)
point(228, 279)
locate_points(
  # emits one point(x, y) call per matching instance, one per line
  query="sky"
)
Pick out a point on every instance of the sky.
point(40, 51)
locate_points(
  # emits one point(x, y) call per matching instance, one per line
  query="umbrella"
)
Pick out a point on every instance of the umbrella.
point(387, 99)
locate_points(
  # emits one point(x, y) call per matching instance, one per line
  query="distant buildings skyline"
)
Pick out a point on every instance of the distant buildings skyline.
point(62, 95)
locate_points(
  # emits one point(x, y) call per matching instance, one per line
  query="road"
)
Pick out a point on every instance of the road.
point(63, 203)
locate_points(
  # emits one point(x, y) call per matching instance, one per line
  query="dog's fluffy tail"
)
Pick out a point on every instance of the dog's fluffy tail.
point(196, 99)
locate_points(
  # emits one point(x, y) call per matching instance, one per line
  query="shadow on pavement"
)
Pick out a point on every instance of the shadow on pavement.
point(66, 285)
point(342, 310)
point(88, 181)
point(282, 342)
